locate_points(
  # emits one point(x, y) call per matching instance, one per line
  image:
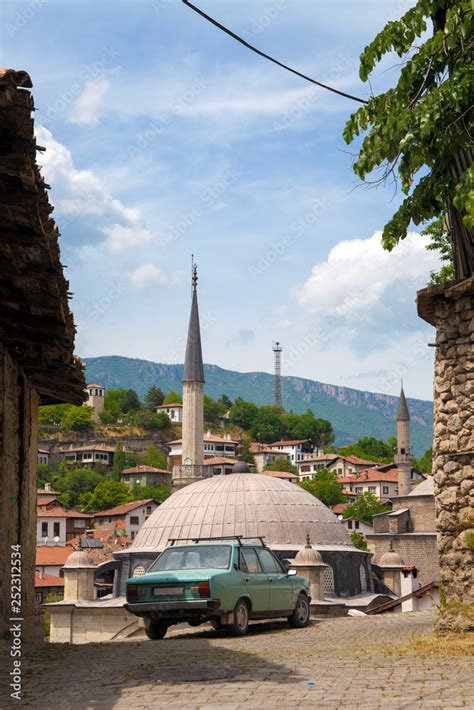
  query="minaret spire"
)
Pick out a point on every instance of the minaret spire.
point(193, 365)
point(403, 457)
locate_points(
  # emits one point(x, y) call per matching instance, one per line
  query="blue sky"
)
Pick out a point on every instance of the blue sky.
point(164, 138)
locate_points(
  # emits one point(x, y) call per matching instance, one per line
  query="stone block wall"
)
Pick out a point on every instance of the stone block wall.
point(76, 624)
point(18, 457)
point(422, 511)
point(451, 310)
point(418, 549)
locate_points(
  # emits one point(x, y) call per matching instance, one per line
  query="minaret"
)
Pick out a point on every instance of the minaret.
point(193, 387)
point(403, 458)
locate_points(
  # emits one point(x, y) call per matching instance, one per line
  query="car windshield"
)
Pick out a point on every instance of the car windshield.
point(193, 557)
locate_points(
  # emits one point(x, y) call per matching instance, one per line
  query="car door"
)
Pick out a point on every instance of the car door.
point(281, 590)
point(255, 582)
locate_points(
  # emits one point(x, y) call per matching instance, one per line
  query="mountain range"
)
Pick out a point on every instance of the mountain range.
point(353, 413)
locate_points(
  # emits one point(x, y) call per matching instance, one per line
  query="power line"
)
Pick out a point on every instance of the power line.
point(267, 56)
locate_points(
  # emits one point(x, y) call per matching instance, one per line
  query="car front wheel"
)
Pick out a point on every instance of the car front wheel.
point(300, 616)
point(155, 630)
point(240, 624)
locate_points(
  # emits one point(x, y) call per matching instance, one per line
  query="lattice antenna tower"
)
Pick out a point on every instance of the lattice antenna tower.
point(277, 351)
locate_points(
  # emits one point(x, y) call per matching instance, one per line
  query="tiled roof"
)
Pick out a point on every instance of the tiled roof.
point(216, 460)
point(90, 447)
point(170, 405)
point(209, 437)
point(322, 457)
point(47, 580)
point(358, 461)
point(124, 508)
point(54, 555)
point(280, 474)
point(43, 491)
point(57, 511)
point(93, 385)
point(339, 508)
point(105, 535)
point(288, 442)
point(43, 451)
point(369, 475)
point(144, 469)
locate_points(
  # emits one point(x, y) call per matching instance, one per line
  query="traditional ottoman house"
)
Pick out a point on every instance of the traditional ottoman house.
point(37, 332)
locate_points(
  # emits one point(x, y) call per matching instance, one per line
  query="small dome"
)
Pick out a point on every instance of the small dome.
point(240, 467)
point(391, 559)
point(307, 557)
point(80, 559)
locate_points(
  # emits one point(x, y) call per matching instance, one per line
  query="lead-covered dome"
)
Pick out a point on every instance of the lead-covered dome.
point(246, 504)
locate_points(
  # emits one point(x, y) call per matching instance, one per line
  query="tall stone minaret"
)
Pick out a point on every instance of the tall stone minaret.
point(193, 387)
point(403, 458)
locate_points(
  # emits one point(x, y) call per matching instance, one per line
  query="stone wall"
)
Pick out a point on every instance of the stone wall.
point(77, 624)
point(422, 511)
point(418, 549)
point(451, 310)
point(18, 454)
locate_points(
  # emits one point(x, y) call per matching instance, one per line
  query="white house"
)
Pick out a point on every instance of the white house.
point(383, 484)
point(89, 455)
point(342, 465)
point(128, 517)
point(43, 456)
point(263, 456)
point(353, 524)
point(174, 411)
point(294, 449)
point(95, 398)
point(212, 446)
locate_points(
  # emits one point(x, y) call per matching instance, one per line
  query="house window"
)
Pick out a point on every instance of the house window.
point(349, 524)
point(44, 529)
point(110, 519)
point(56, 529)
point(363, 579)
point(358, 489)
point(134, 520)
point(328, 577)
point(148, 509)
point(306, 468)
point(132, 535)
point(372, 489)
point(38, 598)
point(385, 490)
point(79, 523)
point(356, 524)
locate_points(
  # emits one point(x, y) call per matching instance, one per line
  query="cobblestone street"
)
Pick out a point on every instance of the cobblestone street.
point(341, 663)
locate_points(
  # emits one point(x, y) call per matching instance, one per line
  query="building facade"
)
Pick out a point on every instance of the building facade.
point(174, 411)
point(127, 518)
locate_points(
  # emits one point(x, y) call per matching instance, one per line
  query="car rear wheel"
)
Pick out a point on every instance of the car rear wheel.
point(155, 630)
point(300, 616)
point(240, 624)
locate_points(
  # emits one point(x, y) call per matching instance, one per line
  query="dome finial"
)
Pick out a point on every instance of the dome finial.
point(194, 278)
point(308, 539)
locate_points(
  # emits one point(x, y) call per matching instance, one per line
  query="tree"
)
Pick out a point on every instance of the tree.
point(267, 426)
point(173, 398)
point(75, 483)
point(244, 414)
point(425, 463)
point(213, 410)
point(106, 494)
point(307, 426)
point(155, 457)
point(246, 454)
point(420, 128)
point(324, 486)
point(122, 459)
point(281, 464)
point(359, 541)
point(52, 414)
point(154, 398)
point(440, 240)
point(365, 507)
point(78, 419)
point(114, 402)
point(158, 493)
point(152, 421)
point(130, 402)
point(371, 448)
point(225, 401)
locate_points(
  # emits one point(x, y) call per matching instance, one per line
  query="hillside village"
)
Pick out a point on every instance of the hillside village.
point(106, 466)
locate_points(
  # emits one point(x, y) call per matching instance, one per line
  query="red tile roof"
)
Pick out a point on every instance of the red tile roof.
point(90, 447)
point(56, 511)
point(124, 508)
point(54, 555)
point(280, 474)
point(288, 442)
point(47, 580)
point(219, 460)
point(369, 475)
point(106, 535)
point(339, 508)
point(144, 469)
point(169, 406)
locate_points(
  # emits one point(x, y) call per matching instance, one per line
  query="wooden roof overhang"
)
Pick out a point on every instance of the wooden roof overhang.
point(36, 323)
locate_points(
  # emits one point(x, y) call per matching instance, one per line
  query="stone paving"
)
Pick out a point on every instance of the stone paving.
point(339, 663)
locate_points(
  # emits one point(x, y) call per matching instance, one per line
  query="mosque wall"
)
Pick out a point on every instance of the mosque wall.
point(417, 549)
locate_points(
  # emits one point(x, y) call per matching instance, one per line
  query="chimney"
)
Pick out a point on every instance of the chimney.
point(47, 486)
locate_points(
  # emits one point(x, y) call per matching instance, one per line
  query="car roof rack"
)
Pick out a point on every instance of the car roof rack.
point(239, 539)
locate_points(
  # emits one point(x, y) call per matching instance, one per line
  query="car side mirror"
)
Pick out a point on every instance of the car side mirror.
point(291, 572)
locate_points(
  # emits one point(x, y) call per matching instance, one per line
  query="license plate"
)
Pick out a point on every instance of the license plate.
point(168, 591)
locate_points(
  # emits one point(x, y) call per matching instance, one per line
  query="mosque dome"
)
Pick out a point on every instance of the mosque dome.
point(391, 559)
point(240, 467)
point(80, 559)
point(247, 504)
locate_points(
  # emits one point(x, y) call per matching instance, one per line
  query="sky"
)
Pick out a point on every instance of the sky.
point(165, 138)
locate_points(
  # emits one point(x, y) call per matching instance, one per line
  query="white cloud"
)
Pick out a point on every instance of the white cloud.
point(241, 337)
point(121, 237)
point(360, 282)
point(147, 275)
point(86, 108)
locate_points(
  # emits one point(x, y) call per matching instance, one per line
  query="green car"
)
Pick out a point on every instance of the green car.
point(226, 581)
